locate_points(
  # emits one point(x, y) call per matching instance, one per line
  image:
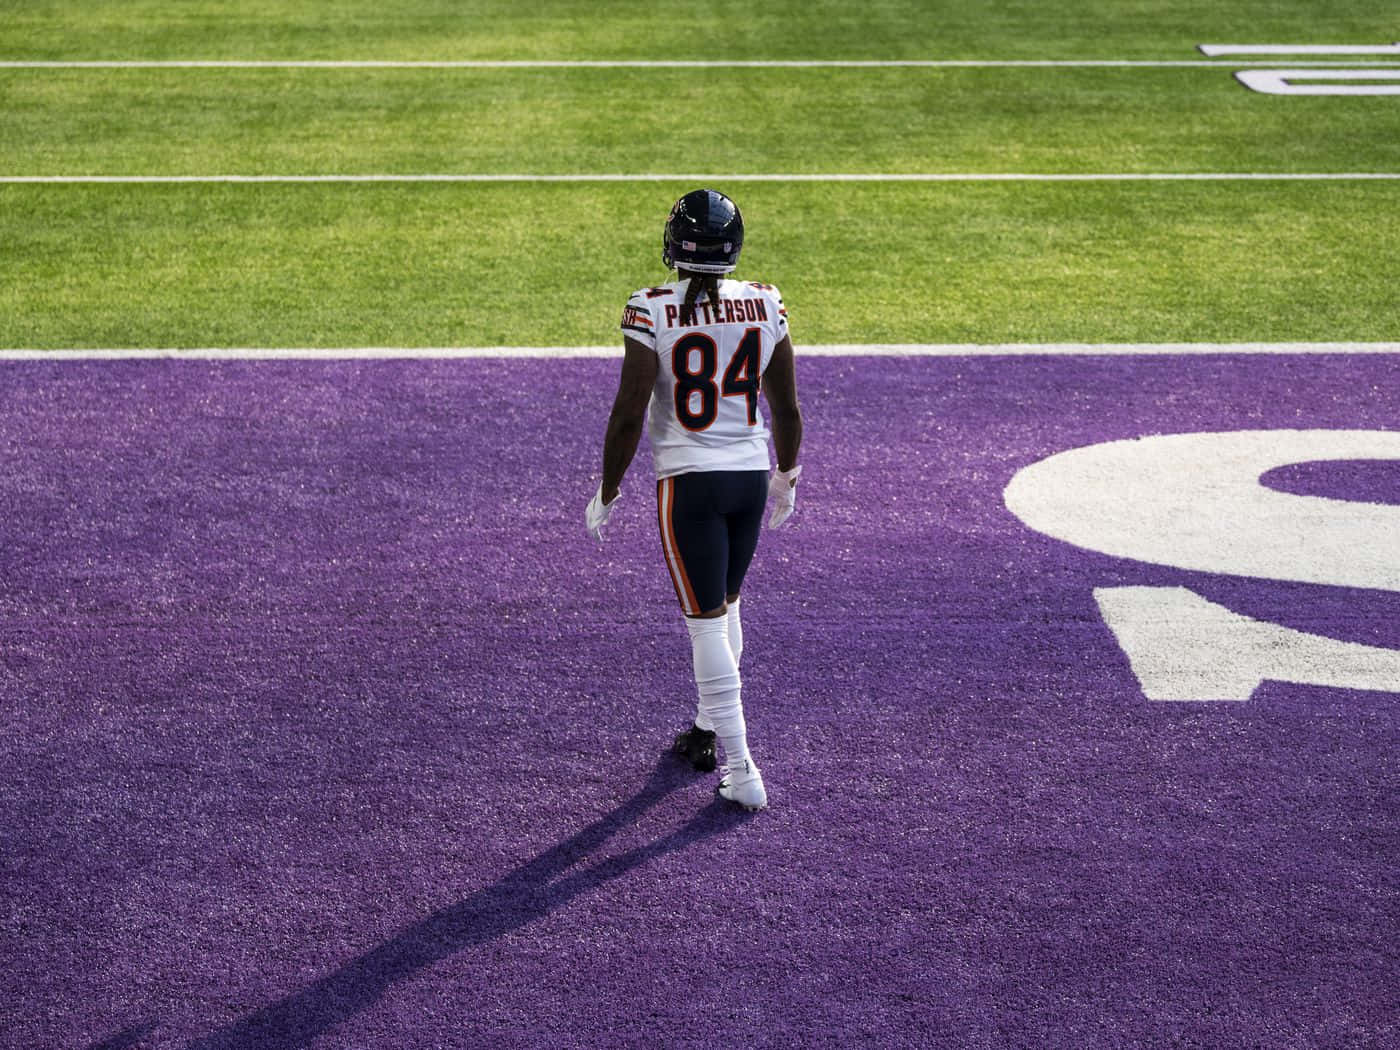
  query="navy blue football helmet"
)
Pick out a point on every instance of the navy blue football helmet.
point(704, 233)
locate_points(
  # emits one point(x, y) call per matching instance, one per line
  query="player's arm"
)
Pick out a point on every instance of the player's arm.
point(780, 389)
point(639, 366)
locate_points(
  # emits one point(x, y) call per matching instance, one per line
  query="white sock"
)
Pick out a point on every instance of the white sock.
point(736, 632)
point(736, 646)
point(717, 677)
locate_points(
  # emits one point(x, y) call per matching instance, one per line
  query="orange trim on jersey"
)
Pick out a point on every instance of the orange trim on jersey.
point(665, 505)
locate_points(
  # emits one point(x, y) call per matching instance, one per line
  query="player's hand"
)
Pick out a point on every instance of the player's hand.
point(598, 513)
point(782, 487)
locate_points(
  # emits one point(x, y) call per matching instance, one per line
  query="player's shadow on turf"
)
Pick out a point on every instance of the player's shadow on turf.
point(531, 891)
point(126, 1039)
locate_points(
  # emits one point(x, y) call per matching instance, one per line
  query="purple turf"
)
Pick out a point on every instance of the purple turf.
point(325, 725)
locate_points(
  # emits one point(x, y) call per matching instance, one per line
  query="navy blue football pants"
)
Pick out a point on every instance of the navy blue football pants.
point(709, 530)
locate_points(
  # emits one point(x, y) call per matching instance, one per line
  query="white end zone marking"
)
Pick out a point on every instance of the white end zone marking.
point(1280, 81)
point(1086, 349)
point(1182, 647)
point(374, 353)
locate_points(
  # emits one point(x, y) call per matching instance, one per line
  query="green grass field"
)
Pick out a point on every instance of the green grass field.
point(406, 264)
point(618, 29)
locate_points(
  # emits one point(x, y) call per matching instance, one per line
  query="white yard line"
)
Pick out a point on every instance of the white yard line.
point(379, 353)
point(1184, 176)
point(688, 64)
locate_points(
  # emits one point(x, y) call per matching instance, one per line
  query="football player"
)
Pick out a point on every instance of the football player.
point(698, 351)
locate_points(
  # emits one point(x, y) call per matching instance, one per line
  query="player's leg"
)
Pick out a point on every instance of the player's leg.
point(694, 538)
point(744, 497)
point(747, 495)
point(695, 533)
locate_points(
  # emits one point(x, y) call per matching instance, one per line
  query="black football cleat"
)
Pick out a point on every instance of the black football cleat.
point(697, 746)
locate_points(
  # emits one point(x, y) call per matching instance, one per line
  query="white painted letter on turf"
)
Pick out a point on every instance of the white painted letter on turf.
point(1215, 50)
point(1194, 501)
point(1280, 81)
point(1183, 647)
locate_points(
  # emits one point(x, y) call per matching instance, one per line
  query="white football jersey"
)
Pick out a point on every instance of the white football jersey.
point(705, 411)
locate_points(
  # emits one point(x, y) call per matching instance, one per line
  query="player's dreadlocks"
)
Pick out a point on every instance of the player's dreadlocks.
point(710, 283)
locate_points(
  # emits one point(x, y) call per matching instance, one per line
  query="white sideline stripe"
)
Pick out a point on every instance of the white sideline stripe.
point(1010, 63)
point(1185, 176)
point(376, 353)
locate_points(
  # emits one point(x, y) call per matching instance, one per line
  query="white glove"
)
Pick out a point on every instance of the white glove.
point(598, 513)
point(782, 486)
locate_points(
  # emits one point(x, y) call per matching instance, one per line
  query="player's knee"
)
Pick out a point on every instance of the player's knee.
point(716, 671)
